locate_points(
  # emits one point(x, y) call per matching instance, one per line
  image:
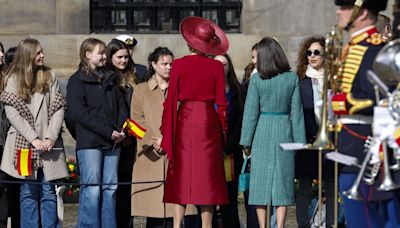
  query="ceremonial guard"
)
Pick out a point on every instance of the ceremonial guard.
point(353, 103)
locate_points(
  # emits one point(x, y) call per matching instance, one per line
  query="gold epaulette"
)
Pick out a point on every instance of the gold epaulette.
point(351, 66)
point(375, 39)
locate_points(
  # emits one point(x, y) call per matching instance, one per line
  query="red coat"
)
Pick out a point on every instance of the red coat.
point(192, 137)
point(200, 79)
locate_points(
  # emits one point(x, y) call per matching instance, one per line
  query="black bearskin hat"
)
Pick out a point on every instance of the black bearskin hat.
point(377, 5)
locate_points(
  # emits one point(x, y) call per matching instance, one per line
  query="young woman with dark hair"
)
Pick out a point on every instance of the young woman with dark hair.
point(3, 176)
point(120, 61)
point(234, 96)
point(273, 113)
point(310, 69)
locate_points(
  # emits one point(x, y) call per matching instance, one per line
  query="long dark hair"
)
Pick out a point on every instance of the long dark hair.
point(154, 56)
point(248, 69)
point(233, 83)
point(9, 56)
point(128, 77)
point(271, 59)
point(3, 68)
point(302, 61)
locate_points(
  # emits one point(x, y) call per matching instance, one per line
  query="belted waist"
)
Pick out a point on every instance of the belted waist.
point(197, 103)
point(355, 119)
point(274, 113)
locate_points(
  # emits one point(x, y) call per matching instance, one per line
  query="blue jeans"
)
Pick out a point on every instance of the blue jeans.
point(97, 202)
point(31, 197)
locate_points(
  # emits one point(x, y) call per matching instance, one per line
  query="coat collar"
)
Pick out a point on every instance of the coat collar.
point(93, 77)
point(152, 83)
point(363, 34)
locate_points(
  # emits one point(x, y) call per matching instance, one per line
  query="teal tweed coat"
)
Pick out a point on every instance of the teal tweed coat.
point(273, 114)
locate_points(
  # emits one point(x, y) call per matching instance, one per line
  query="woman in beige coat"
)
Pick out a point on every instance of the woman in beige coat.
point(35, 108)
point(151, 163)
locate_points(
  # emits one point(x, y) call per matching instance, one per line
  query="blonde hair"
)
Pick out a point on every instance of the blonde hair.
point(88, 45)
point(29, 79)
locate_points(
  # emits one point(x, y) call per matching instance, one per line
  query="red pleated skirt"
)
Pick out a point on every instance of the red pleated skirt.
point(196, 174)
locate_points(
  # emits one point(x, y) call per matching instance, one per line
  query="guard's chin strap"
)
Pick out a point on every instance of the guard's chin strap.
point(356, 10)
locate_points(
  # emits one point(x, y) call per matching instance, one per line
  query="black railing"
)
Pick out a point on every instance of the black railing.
point(160, 16)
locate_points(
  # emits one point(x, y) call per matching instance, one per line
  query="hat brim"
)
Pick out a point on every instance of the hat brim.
point(187, 27)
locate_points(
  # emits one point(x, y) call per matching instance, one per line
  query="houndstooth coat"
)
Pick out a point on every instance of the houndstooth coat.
point(54, 165)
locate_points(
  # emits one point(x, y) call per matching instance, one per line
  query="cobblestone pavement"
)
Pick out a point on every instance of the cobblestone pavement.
point(71, 215)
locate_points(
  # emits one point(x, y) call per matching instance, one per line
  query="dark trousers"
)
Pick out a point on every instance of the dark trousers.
point(252, 220)
point(3, 202)
point(159, 222)
point(303, 200)
point(189, 221)
point(230, 212)
point(123, 205)
point(13, 202)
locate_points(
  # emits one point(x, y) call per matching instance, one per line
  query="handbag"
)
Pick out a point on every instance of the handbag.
point(244, 177)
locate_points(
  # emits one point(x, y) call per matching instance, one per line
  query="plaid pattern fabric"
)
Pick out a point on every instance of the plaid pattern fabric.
point(57, 103)
point(13, 100)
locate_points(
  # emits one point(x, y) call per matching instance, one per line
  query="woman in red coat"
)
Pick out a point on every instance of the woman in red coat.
point(193, 131)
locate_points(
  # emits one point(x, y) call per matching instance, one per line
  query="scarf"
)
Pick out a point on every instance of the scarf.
point(317, 76)
point(317, 80)
point(15, 101)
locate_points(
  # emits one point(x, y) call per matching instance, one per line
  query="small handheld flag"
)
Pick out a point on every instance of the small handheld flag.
point(24, 162)
point(134, 128)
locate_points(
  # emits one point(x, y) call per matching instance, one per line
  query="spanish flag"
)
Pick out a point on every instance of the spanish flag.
point(24, 162)
point(134, 128)
point(397, 136)
point(229, 168)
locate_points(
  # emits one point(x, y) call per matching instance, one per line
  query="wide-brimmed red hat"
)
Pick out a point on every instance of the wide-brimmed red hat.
point(204, 35)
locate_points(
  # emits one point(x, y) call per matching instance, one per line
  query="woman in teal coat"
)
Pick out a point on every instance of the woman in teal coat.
point(273, 114)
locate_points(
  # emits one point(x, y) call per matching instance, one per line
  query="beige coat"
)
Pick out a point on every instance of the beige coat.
point(54, 165)
point(146, 109)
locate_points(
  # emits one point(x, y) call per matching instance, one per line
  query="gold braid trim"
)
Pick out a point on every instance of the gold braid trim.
point(358, 104)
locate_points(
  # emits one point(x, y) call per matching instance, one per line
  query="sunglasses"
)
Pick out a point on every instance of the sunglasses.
point(315, 52)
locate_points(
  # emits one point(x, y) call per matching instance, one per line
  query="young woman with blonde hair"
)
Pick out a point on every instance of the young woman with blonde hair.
point(35, 109)
point(95, 116)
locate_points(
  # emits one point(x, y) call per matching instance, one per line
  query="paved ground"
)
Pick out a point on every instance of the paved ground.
point(70, 217)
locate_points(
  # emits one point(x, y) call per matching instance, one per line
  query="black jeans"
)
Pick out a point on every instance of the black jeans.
point(303, 199)
point(252, 220)
point(230, 212)
point(123, 204)
point(3, 202)
point(13, 202)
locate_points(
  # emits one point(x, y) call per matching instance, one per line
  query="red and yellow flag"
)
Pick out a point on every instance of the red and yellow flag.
point(229, 167)
point(134, 128)
point(24, 162)
point(397, 136)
